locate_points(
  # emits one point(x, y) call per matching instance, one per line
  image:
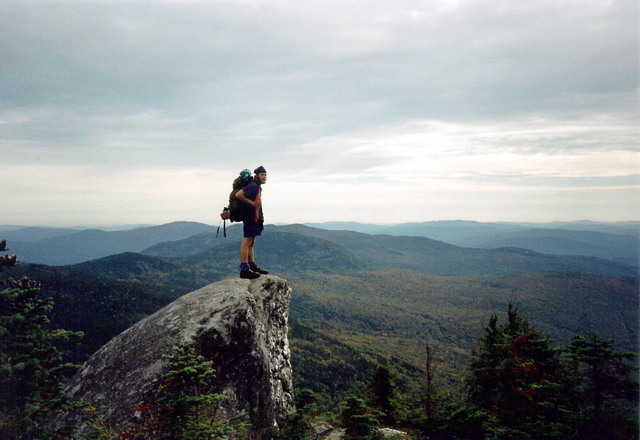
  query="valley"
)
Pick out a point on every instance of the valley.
point(358, 299)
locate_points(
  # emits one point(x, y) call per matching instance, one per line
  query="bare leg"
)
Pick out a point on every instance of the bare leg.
point(246, 250)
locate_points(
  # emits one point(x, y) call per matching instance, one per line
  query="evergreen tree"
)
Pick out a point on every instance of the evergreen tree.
point(32, 370)
point(185, 408)
point(383, 395)
point(360, 421)
point(436, 405)
point(299, 424)
point(605, 394)
point(430, 389)
point(515, 380)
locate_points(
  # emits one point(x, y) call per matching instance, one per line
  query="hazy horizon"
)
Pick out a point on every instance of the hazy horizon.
point(373, 111)
point(114, 227)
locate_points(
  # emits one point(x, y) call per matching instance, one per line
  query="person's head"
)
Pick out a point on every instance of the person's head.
point(260, 174)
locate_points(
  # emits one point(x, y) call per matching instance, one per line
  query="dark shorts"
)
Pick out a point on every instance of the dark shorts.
point(251, 228)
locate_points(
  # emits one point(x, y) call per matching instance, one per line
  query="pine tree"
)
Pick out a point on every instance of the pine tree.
point(299, 424)
point(430, 417)
point(185, 408)
point(360, 421)
point(383, 395)
point(605, 394)
point(515, 380)
point(430, 389)
point(32, 370)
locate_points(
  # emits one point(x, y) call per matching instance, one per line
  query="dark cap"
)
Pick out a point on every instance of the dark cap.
point(260, 170)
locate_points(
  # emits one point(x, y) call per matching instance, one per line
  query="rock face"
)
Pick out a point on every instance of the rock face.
point(240, 325)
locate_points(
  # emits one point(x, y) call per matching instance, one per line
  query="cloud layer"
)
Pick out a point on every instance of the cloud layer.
point(143, 112)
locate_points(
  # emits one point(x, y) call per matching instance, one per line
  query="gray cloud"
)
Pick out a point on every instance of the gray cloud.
point(333, 90)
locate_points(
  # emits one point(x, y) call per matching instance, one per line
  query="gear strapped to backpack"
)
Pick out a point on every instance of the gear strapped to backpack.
point(236, 210)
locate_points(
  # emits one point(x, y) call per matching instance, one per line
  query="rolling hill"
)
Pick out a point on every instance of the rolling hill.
point(614, 247)
point(434, 257)
point(358, 299)
point(59, 247)
point(619, 242)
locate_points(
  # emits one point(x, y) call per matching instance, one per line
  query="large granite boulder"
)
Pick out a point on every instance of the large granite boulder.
point(240, 325)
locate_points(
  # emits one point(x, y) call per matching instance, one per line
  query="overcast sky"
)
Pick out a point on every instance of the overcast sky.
point(143, 112)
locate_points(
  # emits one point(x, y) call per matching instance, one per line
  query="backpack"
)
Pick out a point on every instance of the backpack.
point(235, 210)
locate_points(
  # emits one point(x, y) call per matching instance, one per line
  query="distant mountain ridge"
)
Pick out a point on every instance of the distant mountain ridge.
point(437, 257)
point(478, 228)
point(59, 247)
point(32, 234)
point(619, 242)
point(620, 248)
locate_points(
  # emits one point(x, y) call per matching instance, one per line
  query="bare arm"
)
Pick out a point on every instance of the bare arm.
point(240, 196)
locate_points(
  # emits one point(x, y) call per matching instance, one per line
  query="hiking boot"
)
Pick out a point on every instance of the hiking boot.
point(249, 274)
point(256, 269)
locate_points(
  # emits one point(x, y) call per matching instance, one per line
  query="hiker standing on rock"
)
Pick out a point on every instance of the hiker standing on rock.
point(253, 223)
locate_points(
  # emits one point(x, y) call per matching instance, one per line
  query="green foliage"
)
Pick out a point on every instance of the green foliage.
point(603, 388)
point(298, 425)
point(98, 428)
point(355, 319)
point(32, 369)
point(101, 308)
point(434, 411)
point(384, 395)
point(384, 314)
point(388, 314)
point(360, 421)
point(324, 365)
point(516, 379)
point(521, 388)
point(184, 407)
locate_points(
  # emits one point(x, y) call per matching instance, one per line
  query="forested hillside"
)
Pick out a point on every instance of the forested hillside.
point(618, 242)
point(359, 301)
point(382, 296)
point(436, 257)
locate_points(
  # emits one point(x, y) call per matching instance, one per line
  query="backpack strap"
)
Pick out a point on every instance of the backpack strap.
point(224, 228)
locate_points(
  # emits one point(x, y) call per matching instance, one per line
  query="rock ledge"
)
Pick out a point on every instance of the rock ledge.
point(240, 325)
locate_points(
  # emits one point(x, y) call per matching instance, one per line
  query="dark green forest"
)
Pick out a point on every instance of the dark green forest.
point(456, 350)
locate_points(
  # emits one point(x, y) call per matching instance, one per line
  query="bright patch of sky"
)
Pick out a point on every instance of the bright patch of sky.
point(143, 112)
